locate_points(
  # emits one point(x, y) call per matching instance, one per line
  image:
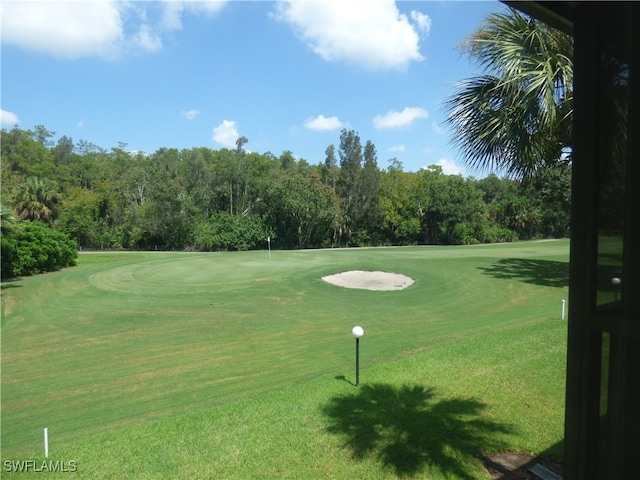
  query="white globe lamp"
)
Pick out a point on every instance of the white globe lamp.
point(357, 332)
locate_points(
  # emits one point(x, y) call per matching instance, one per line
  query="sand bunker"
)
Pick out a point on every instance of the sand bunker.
point(369, 280)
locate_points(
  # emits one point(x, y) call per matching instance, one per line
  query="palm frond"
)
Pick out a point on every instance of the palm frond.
point(513, 117)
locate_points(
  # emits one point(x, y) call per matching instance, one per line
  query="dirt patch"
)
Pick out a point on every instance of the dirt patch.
point(369, 280)
point(516, 465)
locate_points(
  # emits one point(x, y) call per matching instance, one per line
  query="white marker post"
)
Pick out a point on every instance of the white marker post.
point(269, 242)
point(46, 442)
point(563, 302)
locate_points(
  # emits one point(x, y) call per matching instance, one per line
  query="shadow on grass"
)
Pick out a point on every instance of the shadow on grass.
point(408, 428)
point(539, 272)
point(6, 284)
point(344, 379)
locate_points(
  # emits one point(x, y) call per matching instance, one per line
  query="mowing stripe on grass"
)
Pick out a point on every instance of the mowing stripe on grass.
point(128, 338)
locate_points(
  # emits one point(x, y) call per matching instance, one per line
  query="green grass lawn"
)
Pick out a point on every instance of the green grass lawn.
point(237, 365)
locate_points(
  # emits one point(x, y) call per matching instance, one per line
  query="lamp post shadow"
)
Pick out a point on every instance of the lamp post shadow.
point(344, 379)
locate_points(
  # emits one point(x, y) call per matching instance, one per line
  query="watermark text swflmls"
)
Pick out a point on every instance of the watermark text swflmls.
point(40, 466)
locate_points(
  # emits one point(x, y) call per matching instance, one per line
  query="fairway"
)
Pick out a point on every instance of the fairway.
point(127, 338)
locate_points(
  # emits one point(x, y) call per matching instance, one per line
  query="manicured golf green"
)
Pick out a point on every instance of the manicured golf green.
point(240, 365)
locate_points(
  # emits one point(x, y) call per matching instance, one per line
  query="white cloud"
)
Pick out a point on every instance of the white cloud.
point(63, 29)
point(190, 114)
point(173, 10)
point(104, 28)
point(147, 39)
point(397, 148)
point(172, 16)
point(422, 21)
point(8, 118)
point(449, 167)
point(399, 119)
point(226, 133)
point(206, 7)
point(371, 34)
point(437, 128)
point(81, 124)
point(321, 122)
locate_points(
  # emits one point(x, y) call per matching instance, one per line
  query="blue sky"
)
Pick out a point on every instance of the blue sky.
point(287, 75)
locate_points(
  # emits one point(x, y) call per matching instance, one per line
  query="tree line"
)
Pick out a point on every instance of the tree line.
point(230, 199)
point(516, 117)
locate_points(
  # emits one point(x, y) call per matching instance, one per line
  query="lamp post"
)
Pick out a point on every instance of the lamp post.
point(357, 332)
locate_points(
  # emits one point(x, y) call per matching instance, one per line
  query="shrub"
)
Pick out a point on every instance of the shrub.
point(482, 232)
point(37, 249)
point(8, 256)
point(230, 232)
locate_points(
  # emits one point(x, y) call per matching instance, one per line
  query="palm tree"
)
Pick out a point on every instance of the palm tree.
point(517, 117)
point(37, 200)
point(8, 221)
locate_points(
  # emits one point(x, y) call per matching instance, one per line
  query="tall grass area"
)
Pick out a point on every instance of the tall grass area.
point(237, 365)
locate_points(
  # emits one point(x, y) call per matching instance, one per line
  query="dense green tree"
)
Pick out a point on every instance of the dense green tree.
point(369, 207)
point(80, 216)
point(263, 171)
point(199, 183)
point(241, 177)
point(63, 151)
point(221, 165)
point(209, 199)
point(403, 199)
point(24, 154)
point(548, 200)
point(303, 167)
point(44, 136)
point(286, 160)
point(157, 213)
point(453, 201)
point(330, 167)
point(87, 165)
point(503, 199)
point(358, 186)
point(350, 153)
point(302, 211)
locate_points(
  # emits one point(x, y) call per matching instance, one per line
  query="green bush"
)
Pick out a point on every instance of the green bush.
point(7, 256)
point(230, 232)
point(37, 249)
point(482, 231)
